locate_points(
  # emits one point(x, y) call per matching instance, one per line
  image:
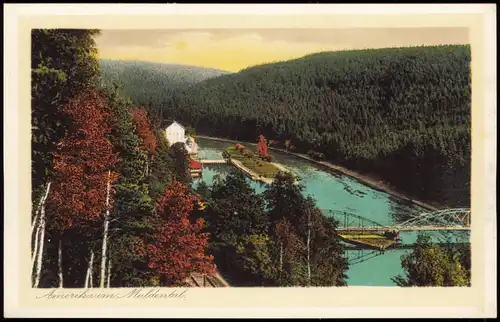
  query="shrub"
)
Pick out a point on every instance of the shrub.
point(316, 155)
point(268, 158)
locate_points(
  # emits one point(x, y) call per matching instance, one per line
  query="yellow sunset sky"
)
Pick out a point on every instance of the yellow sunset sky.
point(236, 49)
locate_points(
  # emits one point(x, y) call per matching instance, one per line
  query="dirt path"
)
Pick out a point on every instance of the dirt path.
point(365, 179)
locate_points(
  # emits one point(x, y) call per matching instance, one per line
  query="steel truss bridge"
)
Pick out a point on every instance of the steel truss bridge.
point(455, 219)
point(447, 219)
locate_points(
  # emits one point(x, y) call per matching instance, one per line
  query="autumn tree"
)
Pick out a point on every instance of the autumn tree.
point(80, 199)
point(63, 63)
point(133, 204)
point(262, 147)
point(177, 248)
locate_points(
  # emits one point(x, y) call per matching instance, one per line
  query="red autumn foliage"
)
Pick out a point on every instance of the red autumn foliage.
point(177, 247)
point(239, 146)
point(81, 164)
point(262, 147)
point(144, 131)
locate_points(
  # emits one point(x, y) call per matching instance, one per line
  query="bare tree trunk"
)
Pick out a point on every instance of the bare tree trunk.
point(88, 278)
point(38, 223)
point(109, 273)
point(309, 249)
point(40, 251)
point(105, 235)
point(59, 263)
point(40, 205)
point(35, 249)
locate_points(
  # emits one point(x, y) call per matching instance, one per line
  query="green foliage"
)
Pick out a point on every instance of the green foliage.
point(63, 63)
point(180, 158)
point(237, 222)
point(143, 79)
point(431, 265)
point(260, 239)
point(295, 220)
point(162, 168)
point(123, 137)
point(132, 203)
point(203, 190)
point(254, 260)
point(190, 131)
point(401, 113)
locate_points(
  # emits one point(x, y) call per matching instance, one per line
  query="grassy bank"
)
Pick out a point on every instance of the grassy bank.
point(253, 162)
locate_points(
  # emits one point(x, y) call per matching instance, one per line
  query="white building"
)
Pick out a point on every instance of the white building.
point(175, 133)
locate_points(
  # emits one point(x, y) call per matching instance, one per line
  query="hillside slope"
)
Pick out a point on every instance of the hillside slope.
point(402, 114)
point(146, 79)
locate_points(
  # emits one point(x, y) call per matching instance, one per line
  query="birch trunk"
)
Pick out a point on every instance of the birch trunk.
point(38, 217)
point(59, 263)
point(40, 250)
point(109, 273)
point(88, 278)
point(105, 235)
point(309, 250)
point(40, 205)
point(35, 250)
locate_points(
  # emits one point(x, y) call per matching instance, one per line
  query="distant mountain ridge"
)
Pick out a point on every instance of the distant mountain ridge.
point(149, 77)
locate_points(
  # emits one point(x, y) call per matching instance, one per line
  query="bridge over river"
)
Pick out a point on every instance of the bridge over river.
point(446, 219)
point(366, 238)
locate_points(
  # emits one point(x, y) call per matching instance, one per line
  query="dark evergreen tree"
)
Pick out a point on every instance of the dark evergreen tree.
point(400, 113)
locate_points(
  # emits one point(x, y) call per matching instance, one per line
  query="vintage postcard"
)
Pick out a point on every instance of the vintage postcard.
point(251, 160)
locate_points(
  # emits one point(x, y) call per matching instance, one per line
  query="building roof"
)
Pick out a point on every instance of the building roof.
point(168, 123)
point(194, 164)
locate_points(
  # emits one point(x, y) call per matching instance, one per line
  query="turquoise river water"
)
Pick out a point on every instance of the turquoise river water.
point(334, 191)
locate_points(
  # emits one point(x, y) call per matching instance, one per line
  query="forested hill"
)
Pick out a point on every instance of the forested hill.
point(148, 78)
point(402, 114)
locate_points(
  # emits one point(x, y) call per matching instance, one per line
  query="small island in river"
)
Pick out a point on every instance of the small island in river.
point(257, 165)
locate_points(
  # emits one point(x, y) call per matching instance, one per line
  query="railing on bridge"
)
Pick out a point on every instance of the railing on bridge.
point(364, 235)
point(443, 218)
point(447, 219)
point(351, 222)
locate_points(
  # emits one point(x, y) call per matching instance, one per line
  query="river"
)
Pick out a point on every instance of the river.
point(333, 191)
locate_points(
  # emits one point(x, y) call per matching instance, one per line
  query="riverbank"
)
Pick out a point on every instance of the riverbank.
point(365, 179)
